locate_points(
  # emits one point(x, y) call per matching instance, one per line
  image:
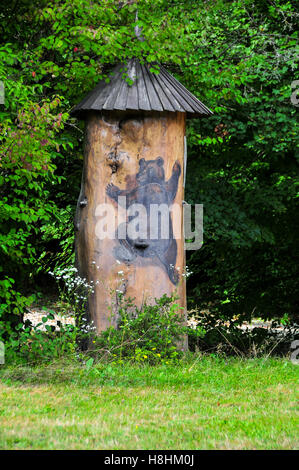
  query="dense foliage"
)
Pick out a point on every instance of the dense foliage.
point(239, 57)
point(150, 334)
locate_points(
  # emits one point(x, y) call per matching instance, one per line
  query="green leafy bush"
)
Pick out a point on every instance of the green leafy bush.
point(215, 334)
point(31, 344)
point(26, 172)
point(155, 333)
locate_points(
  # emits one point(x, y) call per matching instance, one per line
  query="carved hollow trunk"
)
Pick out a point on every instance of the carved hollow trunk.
point(131, 159)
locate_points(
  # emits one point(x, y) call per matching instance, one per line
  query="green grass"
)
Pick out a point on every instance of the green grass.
point(212, 403)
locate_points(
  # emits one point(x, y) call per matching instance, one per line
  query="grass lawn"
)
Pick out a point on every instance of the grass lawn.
point(211, 403)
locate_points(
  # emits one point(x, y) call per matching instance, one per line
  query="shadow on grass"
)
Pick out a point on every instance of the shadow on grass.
point(193, 370)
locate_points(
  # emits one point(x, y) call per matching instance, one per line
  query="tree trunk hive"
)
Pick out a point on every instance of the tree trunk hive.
point(133, 160)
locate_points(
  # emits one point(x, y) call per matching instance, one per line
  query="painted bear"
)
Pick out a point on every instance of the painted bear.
point(150, 188)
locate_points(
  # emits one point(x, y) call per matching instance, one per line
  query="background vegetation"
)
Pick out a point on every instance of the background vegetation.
point(239, 57)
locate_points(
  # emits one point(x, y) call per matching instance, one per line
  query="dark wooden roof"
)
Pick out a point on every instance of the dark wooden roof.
point(149, 92)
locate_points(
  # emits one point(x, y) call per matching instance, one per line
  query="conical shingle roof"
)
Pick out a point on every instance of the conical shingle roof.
point(149, 92)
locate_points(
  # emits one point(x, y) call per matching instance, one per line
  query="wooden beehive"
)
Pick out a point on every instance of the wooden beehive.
point(134, 148)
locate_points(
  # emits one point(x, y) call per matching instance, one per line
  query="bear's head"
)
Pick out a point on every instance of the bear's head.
point(151, 171)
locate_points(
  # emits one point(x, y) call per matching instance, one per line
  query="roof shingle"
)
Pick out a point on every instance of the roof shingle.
point(149, 92)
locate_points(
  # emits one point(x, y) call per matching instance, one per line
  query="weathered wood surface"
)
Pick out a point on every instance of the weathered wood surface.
point(147, 91)
point(125, 154)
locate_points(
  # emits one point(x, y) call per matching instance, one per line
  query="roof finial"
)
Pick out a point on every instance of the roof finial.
point(138, 31)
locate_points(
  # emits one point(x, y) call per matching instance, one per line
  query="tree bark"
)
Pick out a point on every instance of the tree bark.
point(139, 156)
